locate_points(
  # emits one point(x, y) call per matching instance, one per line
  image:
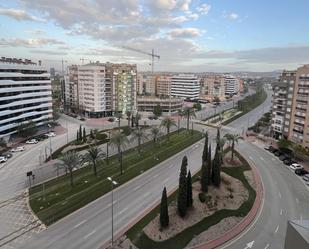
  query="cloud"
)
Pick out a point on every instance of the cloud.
point(20, 15)
point(185, 32)
point(48, 52)
point(35, 31)
point(29, 42)
point(204, 9)
point(231, 16)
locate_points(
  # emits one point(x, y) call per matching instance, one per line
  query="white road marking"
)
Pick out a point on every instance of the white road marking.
point(281, 212)
point(266, 246)
point(279, 195)
point(145, 195)
point(277, 229)
point(122, 211)
point(249, 245)
point(273, 159)
point(262, 158)
point(89, 234)
point(297, 201)
point(80, 223)
point(250, 157)
point(136, 188)
point(166, 180)
point(155, 176)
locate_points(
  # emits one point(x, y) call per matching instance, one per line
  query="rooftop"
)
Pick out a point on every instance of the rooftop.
point(17, 61)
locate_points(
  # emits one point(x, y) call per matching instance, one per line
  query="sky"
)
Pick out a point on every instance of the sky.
point(188, 35)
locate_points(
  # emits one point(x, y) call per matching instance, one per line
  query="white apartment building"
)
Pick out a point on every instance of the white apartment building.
point(231, 85)
point(185, 86)
point(25, 94)
point(94, 90)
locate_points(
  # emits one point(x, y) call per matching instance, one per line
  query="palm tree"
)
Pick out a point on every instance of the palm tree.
point(139, 135)
point(119, 140)
point(93, 155)
point(188, 112)
point(128, 113)
point(118, 115)
point(232, 139)
point(155, 133)
point(168, 123)
point(137, 118)
point(70, 161)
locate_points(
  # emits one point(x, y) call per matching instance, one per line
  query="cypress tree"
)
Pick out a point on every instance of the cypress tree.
point(216, 168)
point(182, 191)
point(91, 134)
point(204, 177)
point(205, 151)
point(84, 134)
point(189, 190)
point(209, 165)
point(164, 218)
point(77, 136)
point(80, 133)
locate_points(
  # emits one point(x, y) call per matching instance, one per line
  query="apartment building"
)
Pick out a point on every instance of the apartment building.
point(185, 86)
point(124, 87)
point(282, 104)
point(71, 88)
point(25, 94)
point(163, 85)
point(231, 84)
point(146, 84)
point(168, 105)
point(212, 86)
point(299, 121)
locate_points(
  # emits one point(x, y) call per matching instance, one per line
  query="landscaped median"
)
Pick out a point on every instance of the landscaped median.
point(224, 209)
point(56, 199)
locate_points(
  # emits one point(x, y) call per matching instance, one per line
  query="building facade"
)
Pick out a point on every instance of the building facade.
point(71, 88)
point(25, 94)
point(231, 84)
point(146, 84)
point(163, 85)
point(185, 86)
point(168, 105)
point(212, 86)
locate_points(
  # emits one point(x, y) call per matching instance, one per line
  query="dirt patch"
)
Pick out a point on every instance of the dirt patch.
point(228, 162)
point(215, 231)
point(122, 243)
point(250, 178)
point(230, 195)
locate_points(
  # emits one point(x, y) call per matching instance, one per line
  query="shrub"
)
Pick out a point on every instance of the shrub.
point(202, 197)
point(101, 136)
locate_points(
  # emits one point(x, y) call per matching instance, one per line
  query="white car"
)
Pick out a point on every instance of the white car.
point(51, 134)
point(32, 141)
point(18, 149)
point(3, 159)
point(295, 166)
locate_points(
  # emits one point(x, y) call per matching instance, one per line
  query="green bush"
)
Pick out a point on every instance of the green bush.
point(101, 136)
point(202, 197)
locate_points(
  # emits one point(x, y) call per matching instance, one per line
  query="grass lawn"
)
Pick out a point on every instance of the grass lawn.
point(59, 200)
point(141, 240)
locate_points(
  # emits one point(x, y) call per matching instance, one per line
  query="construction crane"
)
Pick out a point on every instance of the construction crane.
point(152, 54)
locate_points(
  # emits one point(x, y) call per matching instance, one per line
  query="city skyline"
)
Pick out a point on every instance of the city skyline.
point(195, 36)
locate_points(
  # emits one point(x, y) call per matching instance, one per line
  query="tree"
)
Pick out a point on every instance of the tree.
point(209, 165)
point(26, 129)
point(168, 123)
point(205, 151)
point(216, 168)
point(84, 135)
point(70, 161)
point(80, 133)
point(189, 190)
point(137, 119)
point(197, 106)
point(91, 134)
point(93, 155)
point(3, 143)
point(157, 110)
point(216, 100)
point(188, 112)
point(129, 114)
point(164, 218)
point(182, 190)
point(232, 139)
point(155, 133)
point(77, 136)
point(119, 140)
point(204, 170)
point(139, 135)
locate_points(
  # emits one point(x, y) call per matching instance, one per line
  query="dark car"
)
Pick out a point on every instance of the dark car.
point(301, 172)
point(111, 119)
point(271, 148)
point(289, 162)
point(277, 153)
point(274, 151)
point(284, 157)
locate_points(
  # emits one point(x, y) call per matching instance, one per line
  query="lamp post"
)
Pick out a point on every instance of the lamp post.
point(107, 158)
point(114, 183)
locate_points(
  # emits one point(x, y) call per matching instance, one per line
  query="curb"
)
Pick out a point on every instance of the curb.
point(242, 225)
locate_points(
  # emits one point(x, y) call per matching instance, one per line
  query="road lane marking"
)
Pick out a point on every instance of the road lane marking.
point(80, 223)
point(281, 212)
point(122, 211)
point(89, 234)
point(273, 159)
point(266, 246)
point(155, 176)
point(251, 158)
point(279, 195)
point(145, 195)
point(136, 188)
point(166, 180)
point(262, 158)
point(297, 201)
point(277, 229)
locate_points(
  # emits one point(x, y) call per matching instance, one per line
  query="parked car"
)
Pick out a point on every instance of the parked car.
point(3, 159)
point(278, 153)
point(271, 149)
point(301, 172)
point(7, 155)
point(306, 177)
point(51, 134)
point(274, 151)
point(18, 149)
point(289, 162)
point(267, 147)
point(40, 137)
point(111, 119)
point(32, 141)
point(295, 166)
point(284, 157)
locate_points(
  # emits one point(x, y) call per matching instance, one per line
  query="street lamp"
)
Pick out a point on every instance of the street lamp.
point(114, 183)
point(109, 137)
